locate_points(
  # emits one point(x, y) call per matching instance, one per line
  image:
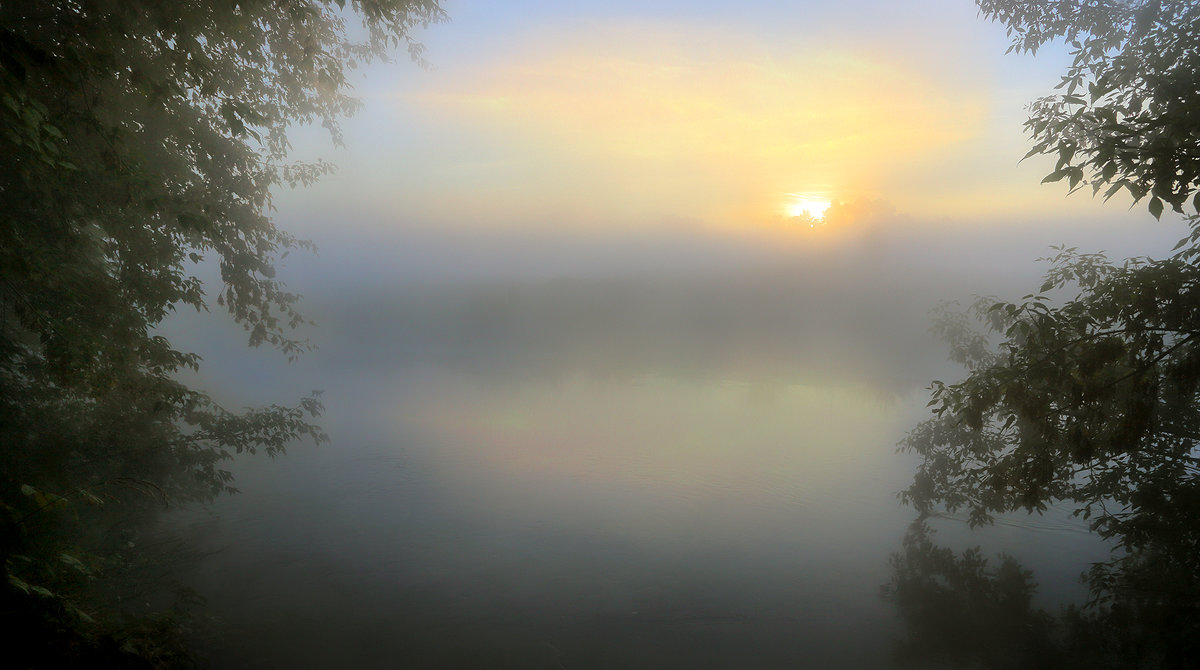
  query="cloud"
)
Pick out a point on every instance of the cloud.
point(652, 121)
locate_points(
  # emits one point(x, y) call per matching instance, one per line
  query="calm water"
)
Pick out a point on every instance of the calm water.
point(639, 524)
point(594, 473)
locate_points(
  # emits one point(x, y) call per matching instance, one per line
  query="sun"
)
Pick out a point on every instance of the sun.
point(807, 206)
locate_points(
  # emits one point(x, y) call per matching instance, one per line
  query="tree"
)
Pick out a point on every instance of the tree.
point(1088, 391)
point(1128, 116)
point(960, 610)
point(142, 139)
point(1093, 402)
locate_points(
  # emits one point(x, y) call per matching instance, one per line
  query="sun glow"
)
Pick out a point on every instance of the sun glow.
point(807, 207)
point(635, 123)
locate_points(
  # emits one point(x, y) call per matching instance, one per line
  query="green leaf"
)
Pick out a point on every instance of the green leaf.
point(1156, 207)
point(1112, 190)
point(1076, 174)
point(18, 583)
point(74, 563)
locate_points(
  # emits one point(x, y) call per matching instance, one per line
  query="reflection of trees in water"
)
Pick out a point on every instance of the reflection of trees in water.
point(963, 610)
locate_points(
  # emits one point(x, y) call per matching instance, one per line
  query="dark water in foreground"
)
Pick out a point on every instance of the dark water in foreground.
point(569, 525)
point(576, 524)
point(579, 525)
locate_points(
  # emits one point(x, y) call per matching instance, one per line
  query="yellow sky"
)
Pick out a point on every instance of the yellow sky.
point(680, 124)
point(626, 125)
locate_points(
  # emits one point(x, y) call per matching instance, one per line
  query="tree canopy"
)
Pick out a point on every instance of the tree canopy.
point(1128, 115)
point(1088, 390)
point(142, 139)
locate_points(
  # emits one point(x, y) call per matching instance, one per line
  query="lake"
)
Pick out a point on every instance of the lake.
point(636, 471)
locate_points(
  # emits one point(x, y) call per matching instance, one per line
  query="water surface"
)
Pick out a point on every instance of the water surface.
point(656, 471)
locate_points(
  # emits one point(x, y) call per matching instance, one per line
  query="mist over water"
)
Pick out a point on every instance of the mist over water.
point(587, 451)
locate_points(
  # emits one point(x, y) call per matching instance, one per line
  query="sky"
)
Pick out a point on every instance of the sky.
point(696, 115)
